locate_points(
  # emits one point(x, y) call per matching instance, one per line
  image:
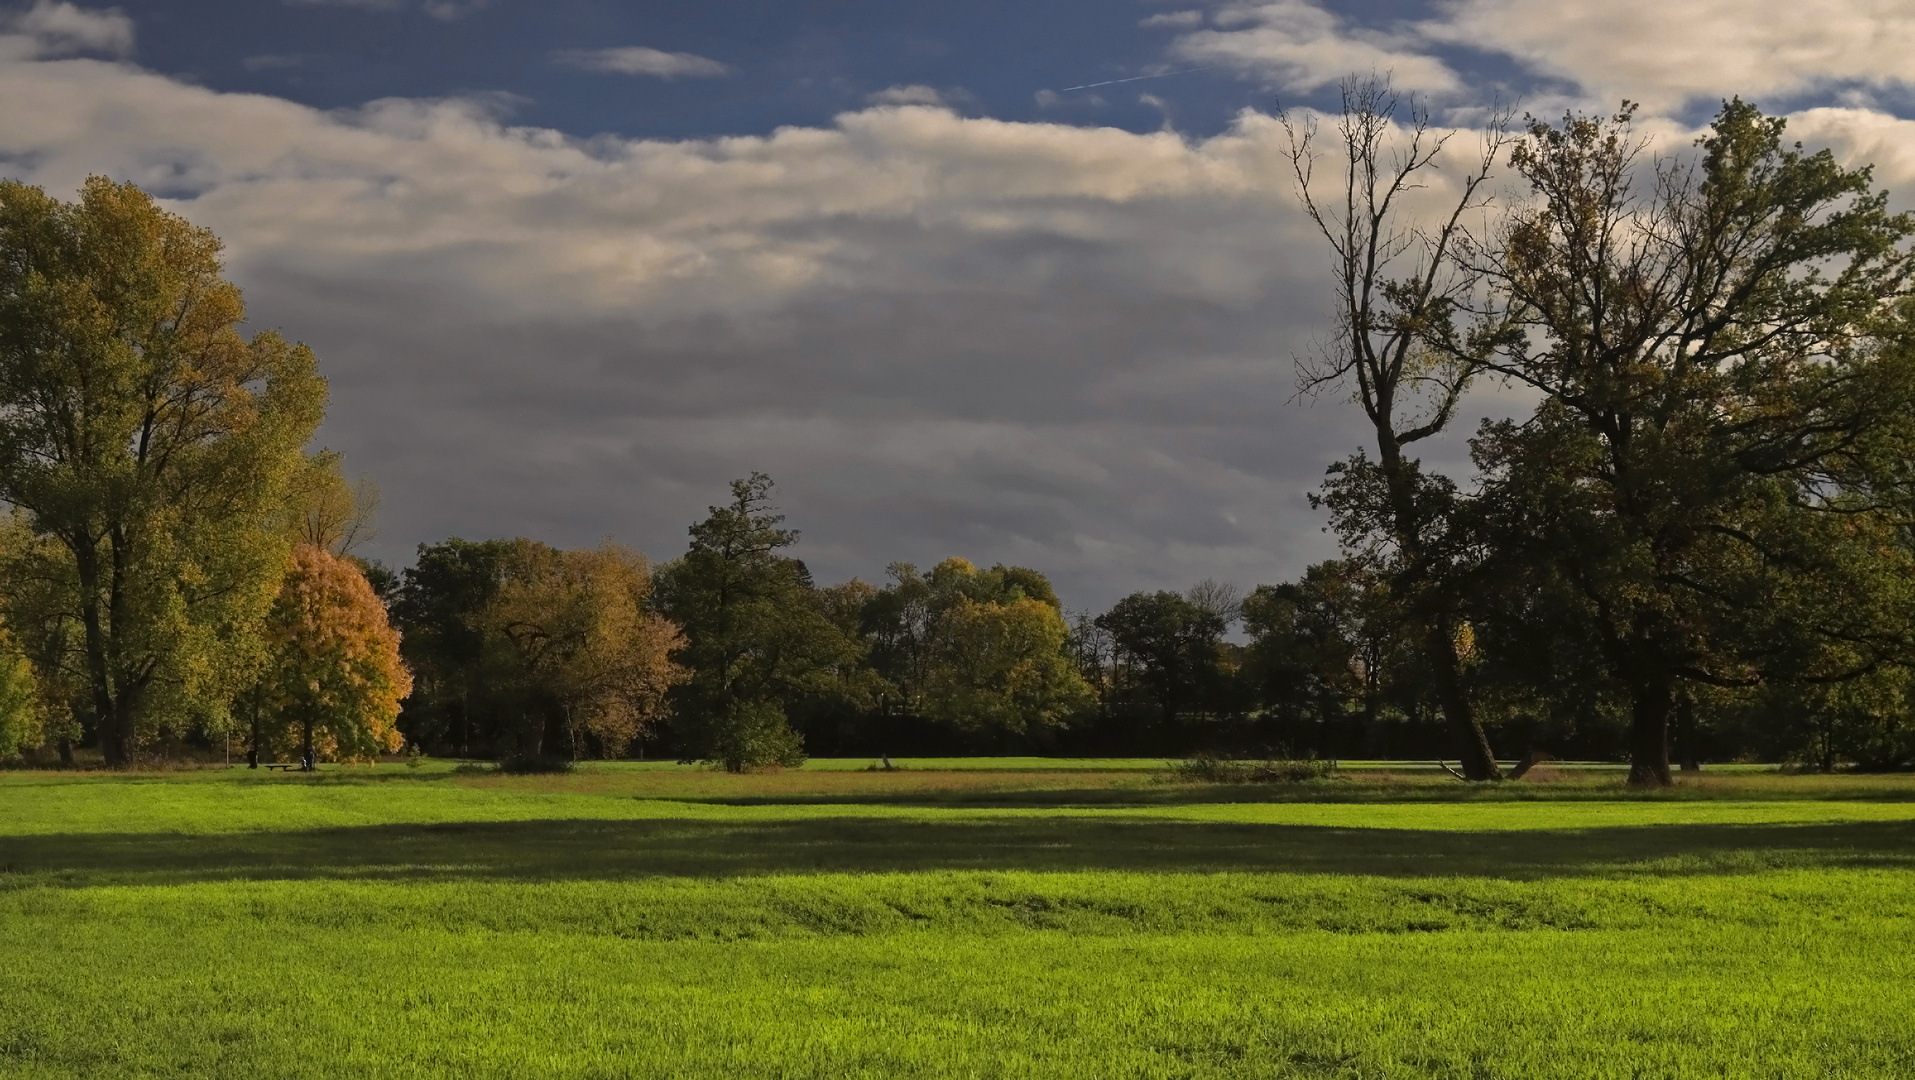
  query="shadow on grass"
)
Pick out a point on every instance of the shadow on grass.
point(1361, 792)
point(558, 850)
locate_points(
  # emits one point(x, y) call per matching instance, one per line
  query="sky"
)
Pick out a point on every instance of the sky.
point(1021, 282)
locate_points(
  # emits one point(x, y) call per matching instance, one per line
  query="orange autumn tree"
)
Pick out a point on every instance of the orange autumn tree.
point(334, 679)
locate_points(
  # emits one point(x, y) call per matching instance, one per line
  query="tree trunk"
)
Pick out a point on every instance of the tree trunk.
point(306, 763)
point(1685, 733)
point(1472, 745)
point(66, 752)
point(116, 734)
point(1439, 646)
point(1650, 707)
point(114, 748)
point(252, 744)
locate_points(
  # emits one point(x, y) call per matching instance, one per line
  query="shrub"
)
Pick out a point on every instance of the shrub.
point(1273, 769)
point(534, 765)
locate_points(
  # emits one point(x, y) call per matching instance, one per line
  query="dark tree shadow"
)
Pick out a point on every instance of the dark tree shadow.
point(558, 850)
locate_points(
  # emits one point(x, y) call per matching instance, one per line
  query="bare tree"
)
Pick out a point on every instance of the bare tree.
point(1218, 598)
point(1400, 288)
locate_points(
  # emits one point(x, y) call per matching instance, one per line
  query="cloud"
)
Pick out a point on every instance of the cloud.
point(1664, 53)
point(638, 60)
point(444, 10)
point(906, 95)
point(1051, 99)
point(1066, 347)
point(51, 28)
point(1173, 20)
point(449, 10)
point(271, 62)
point(1668, 52)
point(1300, 46)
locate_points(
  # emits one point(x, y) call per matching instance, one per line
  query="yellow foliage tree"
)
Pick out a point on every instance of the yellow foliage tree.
point(573, 628)
point(1002, 664)
point(335, 678)
point(22, 716)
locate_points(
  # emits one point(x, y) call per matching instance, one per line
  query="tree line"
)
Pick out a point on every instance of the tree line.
point(1693, 544)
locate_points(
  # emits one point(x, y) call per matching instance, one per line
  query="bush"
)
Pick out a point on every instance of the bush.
point(1273, 769)
point(534, 765)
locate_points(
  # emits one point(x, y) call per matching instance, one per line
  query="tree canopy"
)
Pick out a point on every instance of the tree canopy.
point(151, 443)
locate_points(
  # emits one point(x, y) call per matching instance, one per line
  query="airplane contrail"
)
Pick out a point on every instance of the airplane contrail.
point(1133, 78)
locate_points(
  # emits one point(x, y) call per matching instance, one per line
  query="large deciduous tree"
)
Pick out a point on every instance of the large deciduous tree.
point(1717, 344)
point(977, 649)
point(152, 443)
point(23, 711)
point(1400, 288)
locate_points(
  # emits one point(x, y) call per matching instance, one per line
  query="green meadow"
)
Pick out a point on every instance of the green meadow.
point(953, 918)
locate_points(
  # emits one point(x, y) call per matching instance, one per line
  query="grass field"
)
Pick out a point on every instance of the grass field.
point(957, 918)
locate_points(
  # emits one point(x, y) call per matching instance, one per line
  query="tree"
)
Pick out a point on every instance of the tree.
point(574, 627)
point(22, 711)
point(37, 609)
point(327, 511)
point(1399, 290)
point(757, 636)
point(151, 443)
point(1329, 640)
point(335, 678)
point(995, 653)
point(1171, 641)
point(438, 605)
point(1715, 355)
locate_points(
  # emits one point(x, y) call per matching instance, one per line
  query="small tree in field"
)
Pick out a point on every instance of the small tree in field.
point(22, 718)
point(335, 679)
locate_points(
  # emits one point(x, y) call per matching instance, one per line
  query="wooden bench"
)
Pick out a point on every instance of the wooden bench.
point(279, 764)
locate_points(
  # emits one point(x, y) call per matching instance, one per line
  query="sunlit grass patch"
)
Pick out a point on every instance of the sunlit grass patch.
point(671, 921)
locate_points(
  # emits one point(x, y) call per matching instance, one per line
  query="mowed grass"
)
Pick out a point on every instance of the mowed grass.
point(966, 922)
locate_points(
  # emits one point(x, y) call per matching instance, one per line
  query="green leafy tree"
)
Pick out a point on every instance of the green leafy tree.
point(996, 655)
point(974, 648)
point(152, 443)
point(758, 637)
point(326, 510)
point(1331, 642)
point(1714, 355)
point(438, 606)
point(23, 712)
point(1170, 642)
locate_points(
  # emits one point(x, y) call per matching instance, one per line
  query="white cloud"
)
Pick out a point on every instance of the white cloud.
point(638, 60)
point(57, 28)
point(446, 10)
point(449, 10)
point(1173, 20)
point(906, 95)
point(1666, 52)
point(1301, 46)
